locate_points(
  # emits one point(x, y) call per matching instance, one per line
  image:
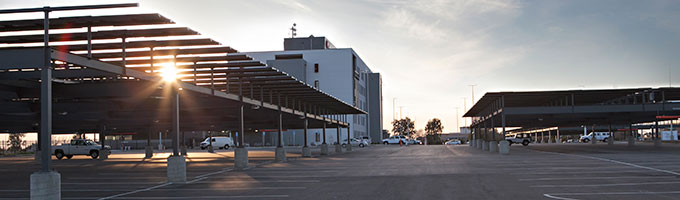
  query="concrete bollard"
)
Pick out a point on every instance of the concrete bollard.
point(657, 142)
point(470, 143)
point(45, 185)
point(104, 154)
point(280, 154)
point(485, 146)
point(306, 152)
point(338, 148)
point(349, 147)
point(240, 158)
point(504, 147)
point(177, 169)
point(479, 144)
point(211, 149)
point(324, 149)
point(493, 146)
point(610, 141)
point(149, 152)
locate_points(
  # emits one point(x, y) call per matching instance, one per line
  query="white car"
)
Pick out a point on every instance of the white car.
point(452, 142)
point(355, 142)
point(220, 142)
point(395, 140)
point(600, 136)
point(78, 147)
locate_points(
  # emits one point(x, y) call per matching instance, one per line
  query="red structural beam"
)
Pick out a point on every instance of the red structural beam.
point(668, 117)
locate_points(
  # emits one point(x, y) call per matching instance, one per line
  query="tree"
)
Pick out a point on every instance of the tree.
point(15, 141)
point(403, 127)
point(434, 126)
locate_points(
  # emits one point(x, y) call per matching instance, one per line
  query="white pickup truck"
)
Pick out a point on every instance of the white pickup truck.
point(78, 147)
point(395, 140)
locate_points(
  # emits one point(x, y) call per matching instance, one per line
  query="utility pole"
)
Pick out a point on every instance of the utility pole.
point(457, 125)
point(464, 110)
point(394, 109)
point(473, 93)
point(400, 109)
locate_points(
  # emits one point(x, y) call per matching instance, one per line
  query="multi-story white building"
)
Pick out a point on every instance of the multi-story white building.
point(339, 72)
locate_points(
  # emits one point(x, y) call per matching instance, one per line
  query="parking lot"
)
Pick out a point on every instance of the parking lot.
point(544, 171)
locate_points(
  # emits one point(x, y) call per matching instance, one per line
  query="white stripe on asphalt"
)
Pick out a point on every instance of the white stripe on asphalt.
point(560, 198)
point(174, 189)
point(192, 197)
point(606, 185)
point(586, 178)
point(614, 161)
point(616, 193)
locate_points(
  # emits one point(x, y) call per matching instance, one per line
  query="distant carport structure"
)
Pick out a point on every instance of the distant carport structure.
point(569, 108)
point(116, 72)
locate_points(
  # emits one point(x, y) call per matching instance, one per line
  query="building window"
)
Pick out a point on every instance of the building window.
point(316, 67)
point(316, 84)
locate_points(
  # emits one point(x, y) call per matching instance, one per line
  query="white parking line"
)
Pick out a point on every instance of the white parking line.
point(174, 189)
point(136, 191)
point(587, 178)
point(614, 161)
point(114, 183)
point(193, 197)
point(560, 198)
point(264, 181)
point(606, 185)
point(580, 172)
point(557, 195)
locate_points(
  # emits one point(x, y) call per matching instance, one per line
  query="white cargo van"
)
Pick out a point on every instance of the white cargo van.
point(600, 136)
point(220, 142)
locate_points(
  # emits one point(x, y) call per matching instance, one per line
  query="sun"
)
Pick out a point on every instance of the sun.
point(169, 73)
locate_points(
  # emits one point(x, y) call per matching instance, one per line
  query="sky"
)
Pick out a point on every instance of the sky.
point(429, 52)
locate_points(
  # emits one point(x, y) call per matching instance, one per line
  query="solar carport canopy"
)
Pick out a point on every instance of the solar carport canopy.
point(535, 109)
point(106, 69)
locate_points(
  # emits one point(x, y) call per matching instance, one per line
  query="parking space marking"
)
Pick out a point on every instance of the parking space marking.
point(136, 191)
point(606, 185)
point(262, 181)
point(557, 195)
point(588, 178)
point(614, 161)
point(114, 183)
point(580, 172)
point(194, 197)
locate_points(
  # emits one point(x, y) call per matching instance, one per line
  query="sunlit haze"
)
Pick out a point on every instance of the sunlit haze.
point(429, 52)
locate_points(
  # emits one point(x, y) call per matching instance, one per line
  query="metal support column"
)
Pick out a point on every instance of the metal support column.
point(46, 100)
point(323, 131)
point(175, 120)
point(305, 132)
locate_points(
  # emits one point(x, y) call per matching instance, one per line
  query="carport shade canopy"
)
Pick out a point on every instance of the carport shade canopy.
point(118, 83)
point(570, 108)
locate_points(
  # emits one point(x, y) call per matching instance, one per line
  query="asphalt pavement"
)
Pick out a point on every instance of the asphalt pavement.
point(539, 171)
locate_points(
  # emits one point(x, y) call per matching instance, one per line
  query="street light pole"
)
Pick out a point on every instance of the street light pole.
point(473, 93)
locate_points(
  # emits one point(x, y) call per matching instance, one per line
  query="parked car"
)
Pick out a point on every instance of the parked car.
point(366, 138)
point(355, 142)
point(395, 140)
point(78, 147)
point(600, 136)
point(519, 139)
point(220, 142)
point(414, 141)
point(452, 142)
